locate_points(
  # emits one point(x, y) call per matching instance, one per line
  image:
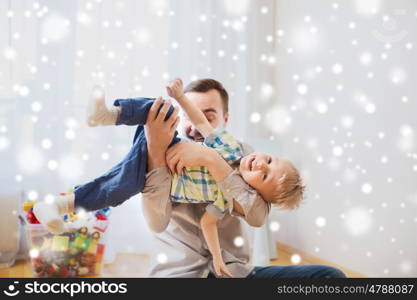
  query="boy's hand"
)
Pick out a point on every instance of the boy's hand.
point(184, 154)
point(220, 268)
point(175, 89)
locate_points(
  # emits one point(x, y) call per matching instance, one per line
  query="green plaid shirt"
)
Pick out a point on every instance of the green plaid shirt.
point(196, 185)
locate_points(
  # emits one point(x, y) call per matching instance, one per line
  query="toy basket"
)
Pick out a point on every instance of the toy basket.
point(75, 253)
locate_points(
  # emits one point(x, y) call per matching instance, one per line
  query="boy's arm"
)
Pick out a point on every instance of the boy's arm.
point(197, 117)
point(247, 201)
point(208, 224)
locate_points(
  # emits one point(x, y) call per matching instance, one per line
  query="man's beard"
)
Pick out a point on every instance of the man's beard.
point(197, 137)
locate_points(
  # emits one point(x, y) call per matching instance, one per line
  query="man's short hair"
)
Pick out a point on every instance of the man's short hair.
point(208, 84)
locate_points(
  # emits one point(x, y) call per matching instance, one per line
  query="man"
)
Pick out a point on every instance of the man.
point(177, 225)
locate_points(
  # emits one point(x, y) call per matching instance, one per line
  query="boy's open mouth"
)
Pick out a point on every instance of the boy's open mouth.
point(250, 163)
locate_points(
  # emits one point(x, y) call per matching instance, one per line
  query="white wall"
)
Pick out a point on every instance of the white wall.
point(355, 144)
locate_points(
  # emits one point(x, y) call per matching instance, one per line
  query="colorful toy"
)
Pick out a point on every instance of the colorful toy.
point(94, 242)
point(59, 256)
point(77, 252)
point(60, 243)
point(28, 205)
point(63, 272)
point(103, 214)
point(81, 238)
point(71, 217)
point(46, 244)
point(31, 218)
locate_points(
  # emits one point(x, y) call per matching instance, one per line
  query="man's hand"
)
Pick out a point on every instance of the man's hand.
point(186, 154)
point(175, 89)
point(159, 133)
point(220, 268)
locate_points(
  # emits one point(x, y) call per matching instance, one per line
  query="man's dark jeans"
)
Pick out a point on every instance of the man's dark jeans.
point(300, 271)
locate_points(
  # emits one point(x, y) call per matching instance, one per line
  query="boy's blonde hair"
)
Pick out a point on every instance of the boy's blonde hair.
point(289, 191)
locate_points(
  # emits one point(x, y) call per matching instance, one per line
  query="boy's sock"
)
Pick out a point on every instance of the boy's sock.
point(98, 114)
point(50, 214)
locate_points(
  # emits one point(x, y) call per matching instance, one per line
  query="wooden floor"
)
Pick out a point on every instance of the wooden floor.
point(135, 265)
point(284, 258)
point(125, 265)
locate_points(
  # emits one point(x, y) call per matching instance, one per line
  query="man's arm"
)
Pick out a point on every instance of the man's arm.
point(176, 91)
point(156, 202)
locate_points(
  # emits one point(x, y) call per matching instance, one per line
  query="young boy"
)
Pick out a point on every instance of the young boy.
point(261, 171)
point(277, 183)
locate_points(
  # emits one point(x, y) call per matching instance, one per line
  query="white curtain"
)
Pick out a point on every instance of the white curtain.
point(232, 41)
point(52, 55)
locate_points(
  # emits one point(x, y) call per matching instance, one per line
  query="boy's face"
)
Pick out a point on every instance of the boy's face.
point(211, 104)
point(263, 172)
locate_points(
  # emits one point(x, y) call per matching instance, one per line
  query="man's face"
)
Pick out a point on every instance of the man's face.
point(211, 104)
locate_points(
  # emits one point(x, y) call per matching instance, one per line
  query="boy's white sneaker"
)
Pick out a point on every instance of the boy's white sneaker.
point(50, 213)
point(98, 114)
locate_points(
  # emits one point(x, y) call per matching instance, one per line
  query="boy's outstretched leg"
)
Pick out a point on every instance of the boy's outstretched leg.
point(98, 114)
point(121, 182)
point(50, 213)
point(127, 178)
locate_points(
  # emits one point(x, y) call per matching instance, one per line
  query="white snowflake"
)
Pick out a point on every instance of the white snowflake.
point(302, 89)
point(320, 222)
point(398, 76)
point(337, 68)
point(33, 195)
point(162, 258)
point(278, 120)
point(238, 241)
point(274, 226)
point(52, 165)
point(4, 143)
point(70, 168)
point(366, 58)
point(30, 159)
point(10, 53)
point(366, 188)
point(255, 117)
point(55, 27)
point(295, 259)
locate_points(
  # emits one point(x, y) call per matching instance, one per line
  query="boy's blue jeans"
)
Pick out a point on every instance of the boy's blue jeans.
point(300, 271)
point(127, 178)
